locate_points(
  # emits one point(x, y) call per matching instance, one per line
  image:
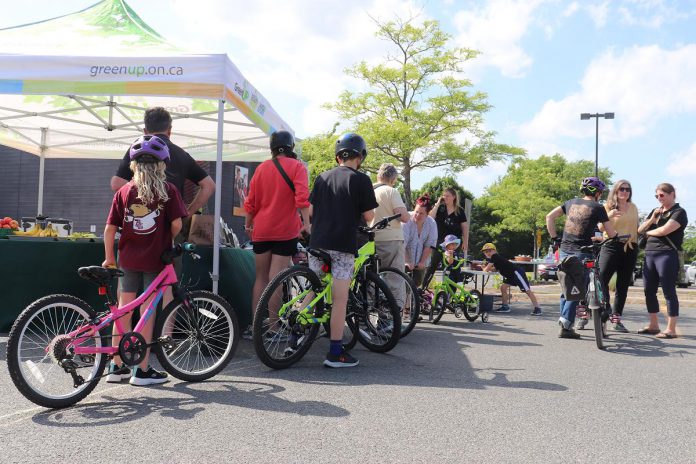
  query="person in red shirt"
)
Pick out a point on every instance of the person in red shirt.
point(148, 210)
point(279, 188)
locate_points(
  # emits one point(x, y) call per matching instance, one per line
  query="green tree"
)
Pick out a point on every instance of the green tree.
point(437, 185)
point(520, 200)
point(418, 112)
point(689, 245)
point(318, 152)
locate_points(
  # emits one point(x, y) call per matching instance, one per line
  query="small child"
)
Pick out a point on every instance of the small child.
point(449, 247)
point(512, 275)
point(148, 210)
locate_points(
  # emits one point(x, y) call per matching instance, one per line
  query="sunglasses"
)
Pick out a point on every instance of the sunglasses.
point(624, 189)
point(660, 195)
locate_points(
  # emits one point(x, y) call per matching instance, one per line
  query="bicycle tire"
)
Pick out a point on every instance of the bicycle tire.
point(24, 371)
point(208, 330)
point(350, 334)
point(267, 342)
point(598, 327)
point(439, 306)
point(470, 315)
point(379, 319)
point(411, 299)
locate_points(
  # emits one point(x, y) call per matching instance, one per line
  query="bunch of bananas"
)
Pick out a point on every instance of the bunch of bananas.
point(37, 231)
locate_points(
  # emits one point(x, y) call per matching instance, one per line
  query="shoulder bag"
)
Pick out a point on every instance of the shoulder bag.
point(284, 174)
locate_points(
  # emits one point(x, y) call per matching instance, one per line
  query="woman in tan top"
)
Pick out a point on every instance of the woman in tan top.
point(620, 257)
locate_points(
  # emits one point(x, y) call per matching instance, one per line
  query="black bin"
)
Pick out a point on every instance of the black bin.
point(486, 303)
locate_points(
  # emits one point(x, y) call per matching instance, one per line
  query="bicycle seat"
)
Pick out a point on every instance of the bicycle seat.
point(98, 274)
point(321, 254)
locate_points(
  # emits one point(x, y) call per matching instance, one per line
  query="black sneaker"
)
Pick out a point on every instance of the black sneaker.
point(568, 333)
point(118, 374)
point(148, 377)
point(342, 360)
point(537, 312)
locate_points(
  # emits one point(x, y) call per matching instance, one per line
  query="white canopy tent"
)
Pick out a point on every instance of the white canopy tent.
point(76, 86)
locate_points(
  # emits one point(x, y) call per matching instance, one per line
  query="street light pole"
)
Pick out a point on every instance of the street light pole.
point(585, 116)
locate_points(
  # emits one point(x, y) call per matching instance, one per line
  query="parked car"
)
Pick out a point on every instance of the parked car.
point(691, 272)
point(685, 282)
point(548, 272)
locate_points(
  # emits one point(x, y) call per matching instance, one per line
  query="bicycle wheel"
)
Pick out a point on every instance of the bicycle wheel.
point(598, 327)
point(36, 344)
point(204, 336)
point(472, 305)
point(406, 296)
point(439, 306)
point(379, 319)
point(282, 341)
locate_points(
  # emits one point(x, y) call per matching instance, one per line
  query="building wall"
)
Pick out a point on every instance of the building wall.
point(80, 190)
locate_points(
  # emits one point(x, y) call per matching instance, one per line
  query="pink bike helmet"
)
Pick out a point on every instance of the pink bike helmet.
point(149, 145)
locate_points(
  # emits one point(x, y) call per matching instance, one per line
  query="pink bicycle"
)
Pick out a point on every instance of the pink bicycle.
point(59, 345)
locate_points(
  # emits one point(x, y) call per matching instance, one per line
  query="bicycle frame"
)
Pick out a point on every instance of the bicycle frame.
point(365, 254)
point(166, 277)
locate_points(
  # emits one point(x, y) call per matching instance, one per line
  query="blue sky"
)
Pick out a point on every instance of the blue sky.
point(542, 63)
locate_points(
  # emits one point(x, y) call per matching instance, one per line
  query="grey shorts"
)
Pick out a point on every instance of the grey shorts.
point(131, 280)
point(341, 265)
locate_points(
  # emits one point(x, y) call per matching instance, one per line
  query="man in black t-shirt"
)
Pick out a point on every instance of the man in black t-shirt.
point(582, 216)
point(339, 199)
point(180, 168)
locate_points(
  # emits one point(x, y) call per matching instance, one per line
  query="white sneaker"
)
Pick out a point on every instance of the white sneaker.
point(118, 374)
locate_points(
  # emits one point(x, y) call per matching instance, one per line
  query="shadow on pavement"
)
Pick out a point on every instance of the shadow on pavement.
point(252, 395)
point(444, 366)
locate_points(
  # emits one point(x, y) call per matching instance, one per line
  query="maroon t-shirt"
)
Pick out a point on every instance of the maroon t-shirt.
point(145, 229)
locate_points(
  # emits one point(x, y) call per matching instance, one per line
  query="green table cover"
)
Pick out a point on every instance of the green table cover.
point(31, 269)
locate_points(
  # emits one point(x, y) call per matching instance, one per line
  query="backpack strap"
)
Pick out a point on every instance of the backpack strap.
point(282, 173)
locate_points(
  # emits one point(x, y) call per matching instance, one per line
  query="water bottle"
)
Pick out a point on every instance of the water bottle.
point(549, 257)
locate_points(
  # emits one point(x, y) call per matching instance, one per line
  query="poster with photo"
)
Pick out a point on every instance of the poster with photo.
point(241, 189)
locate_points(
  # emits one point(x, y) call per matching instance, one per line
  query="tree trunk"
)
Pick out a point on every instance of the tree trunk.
point(406, 172)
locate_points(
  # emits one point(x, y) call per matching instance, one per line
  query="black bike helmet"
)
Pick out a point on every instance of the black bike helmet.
point(351, 145)
point(282, 142)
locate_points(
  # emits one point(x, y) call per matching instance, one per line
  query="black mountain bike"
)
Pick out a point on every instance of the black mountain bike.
point(597, 297)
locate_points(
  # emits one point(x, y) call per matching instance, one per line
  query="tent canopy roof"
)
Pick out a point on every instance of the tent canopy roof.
point(77, 86)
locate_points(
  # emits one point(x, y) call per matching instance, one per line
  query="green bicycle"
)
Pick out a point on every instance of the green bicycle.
point(303, 300)
point(452, 295)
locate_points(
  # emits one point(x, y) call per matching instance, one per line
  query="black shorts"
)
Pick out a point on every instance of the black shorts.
point(282, 248)
point(519, 278)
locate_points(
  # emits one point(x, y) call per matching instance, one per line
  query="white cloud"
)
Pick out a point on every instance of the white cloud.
point(683, 164)
point(598, 12)
point(294, 52)
point(641, 85)
point(652, 13)
point(496, 30)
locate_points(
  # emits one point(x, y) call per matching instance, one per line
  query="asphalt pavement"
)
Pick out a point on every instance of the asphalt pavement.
point(505, 391)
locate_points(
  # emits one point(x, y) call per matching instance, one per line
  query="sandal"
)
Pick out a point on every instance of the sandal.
point(666, 335)
point(649, 331)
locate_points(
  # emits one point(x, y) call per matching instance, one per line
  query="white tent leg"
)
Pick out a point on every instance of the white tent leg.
point(42, 163)
point(218, 196)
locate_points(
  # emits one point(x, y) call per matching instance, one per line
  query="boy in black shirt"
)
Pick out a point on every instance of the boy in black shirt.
point(512, 275)
point(339, 199)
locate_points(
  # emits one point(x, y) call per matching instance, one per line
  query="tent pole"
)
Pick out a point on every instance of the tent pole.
point(218, 196)
point(42, 162)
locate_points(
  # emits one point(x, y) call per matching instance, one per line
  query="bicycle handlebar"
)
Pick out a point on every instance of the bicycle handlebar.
point(597, 246)
point(178, 250)
point(379, 225)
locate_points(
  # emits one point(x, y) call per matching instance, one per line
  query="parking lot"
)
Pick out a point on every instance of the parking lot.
point(506, 391)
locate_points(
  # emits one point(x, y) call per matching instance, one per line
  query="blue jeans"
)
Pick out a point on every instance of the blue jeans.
point(568, 307)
